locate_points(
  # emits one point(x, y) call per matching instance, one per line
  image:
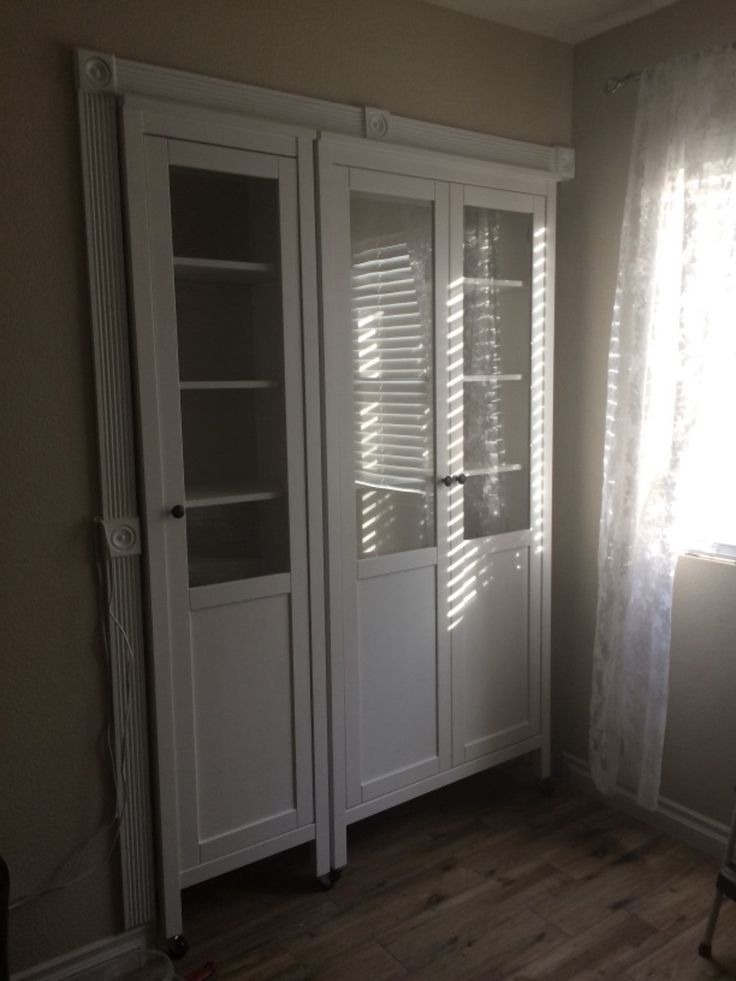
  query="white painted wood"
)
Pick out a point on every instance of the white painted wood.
point(221, 271)
point(236, 753)
point(442, 779)
point(490, 703)
point(100, 70)
point(296, 482)
point(333, 199)
point(244, 727)
point(118, 484)
point(136, 185)
point(239, 591)
point(315, 527)
point(500, 670)
point(254, 853)
point(382, 565)
point(398, 696)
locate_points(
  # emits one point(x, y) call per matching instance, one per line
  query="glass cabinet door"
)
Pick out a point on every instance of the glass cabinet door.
point(229, 328)
point(392, 305)
point(494, 463)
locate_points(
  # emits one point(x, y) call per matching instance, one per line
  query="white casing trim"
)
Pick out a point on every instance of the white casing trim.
point(681, 822)
point(102, 72)
point(86, 962)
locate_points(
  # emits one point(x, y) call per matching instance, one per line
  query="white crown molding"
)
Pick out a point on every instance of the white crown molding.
point(98, 71)
point(681, 822)
point(93, 961)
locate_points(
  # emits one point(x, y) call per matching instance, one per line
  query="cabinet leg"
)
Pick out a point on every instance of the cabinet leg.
point(328, 881)
point(177, 946)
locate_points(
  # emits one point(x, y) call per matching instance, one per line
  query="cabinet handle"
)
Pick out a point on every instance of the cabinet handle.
point(177, 511)
point(460, 478)
point(447, 481)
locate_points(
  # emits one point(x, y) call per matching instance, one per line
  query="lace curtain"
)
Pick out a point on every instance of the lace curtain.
point(669, 470)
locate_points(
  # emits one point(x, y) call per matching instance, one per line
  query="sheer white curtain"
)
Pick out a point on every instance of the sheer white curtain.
point(669, 471)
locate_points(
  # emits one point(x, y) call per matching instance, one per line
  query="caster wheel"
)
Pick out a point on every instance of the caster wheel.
point(328, 881)
point(178, 946)
point(547, 787)
point(704, 950)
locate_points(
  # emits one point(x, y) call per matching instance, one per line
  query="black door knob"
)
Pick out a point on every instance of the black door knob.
point(447, 481)
point(177, 511)
point(460, 478)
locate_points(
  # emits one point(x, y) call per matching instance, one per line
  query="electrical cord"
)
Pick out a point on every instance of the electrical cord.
point(108, 618)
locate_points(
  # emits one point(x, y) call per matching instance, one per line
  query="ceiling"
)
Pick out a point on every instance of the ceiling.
point(566, 20)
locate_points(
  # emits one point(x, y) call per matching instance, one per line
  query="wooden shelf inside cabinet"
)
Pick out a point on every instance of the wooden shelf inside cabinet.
point(227, 386)
point(243, 493)
point(222, 271)
point(497, 284)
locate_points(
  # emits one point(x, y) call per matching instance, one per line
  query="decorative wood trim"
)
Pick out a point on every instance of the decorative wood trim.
point(98, 71)
point(681, 822)
point(86, 962)
point(108, 309)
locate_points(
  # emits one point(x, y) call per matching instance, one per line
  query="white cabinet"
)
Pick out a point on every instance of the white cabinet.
point(432, 440)
point(219, 249)
point(437, 441)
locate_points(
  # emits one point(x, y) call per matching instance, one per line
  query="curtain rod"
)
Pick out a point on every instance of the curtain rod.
point(616, 82)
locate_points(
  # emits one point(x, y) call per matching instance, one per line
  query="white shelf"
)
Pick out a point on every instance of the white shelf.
point(493, 378)
point(485, 471)
point(224, 386)
point(222, 271)
point(244, 493)
point(498, 284)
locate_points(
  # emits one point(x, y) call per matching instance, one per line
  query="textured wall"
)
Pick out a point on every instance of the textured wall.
point(412, 59)
point(700, 753)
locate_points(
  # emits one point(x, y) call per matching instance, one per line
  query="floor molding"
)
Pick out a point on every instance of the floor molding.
point(85, 962)
point(681, 822)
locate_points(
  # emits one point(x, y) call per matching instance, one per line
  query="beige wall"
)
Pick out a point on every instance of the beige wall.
point(700, 753)
point(410, 58)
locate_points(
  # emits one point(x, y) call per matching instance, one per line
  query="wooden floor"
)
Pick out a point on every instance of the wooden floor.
point(487, 880)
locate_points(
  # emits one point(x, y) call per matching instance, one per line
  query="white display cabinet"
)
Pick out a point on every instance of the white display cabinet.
point(216, 246)
point(437, 328)
point(317, 521)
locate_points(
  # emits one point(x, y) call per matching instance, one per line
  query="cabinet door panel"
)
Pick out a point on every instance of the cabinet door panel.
point(398, 680)
point(498, 676)
point(244, 719)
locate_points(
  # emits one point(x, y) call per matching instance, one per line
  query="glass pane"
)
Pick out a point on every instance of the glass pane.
point(237, 541)
point(497, 261)
point(496, 503)
point(392, 295)
point(230, 341)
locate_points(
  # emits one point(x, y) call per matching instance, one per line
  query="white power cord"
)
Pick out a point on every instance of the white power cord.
point(68, 868)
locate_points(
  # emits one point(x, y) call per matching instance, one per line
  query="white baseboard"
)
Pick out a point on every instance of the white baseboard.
point(681, 822)
point(89, 963)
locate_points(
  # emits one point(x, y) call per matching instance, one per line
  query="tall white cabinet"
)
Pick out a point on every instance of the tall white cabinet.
point(219, 248)
point(436, 333)
point(341, 388)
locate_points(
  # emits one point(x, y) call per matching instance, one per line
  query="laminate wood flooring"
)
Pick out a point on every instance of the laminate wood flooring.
point(487, 880)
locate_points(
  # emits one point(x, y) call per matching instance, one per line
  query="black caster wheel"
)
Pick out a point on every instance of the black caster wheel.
point(178, 946)
point(328, 881)
point(547, 787)
point(704, 950)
